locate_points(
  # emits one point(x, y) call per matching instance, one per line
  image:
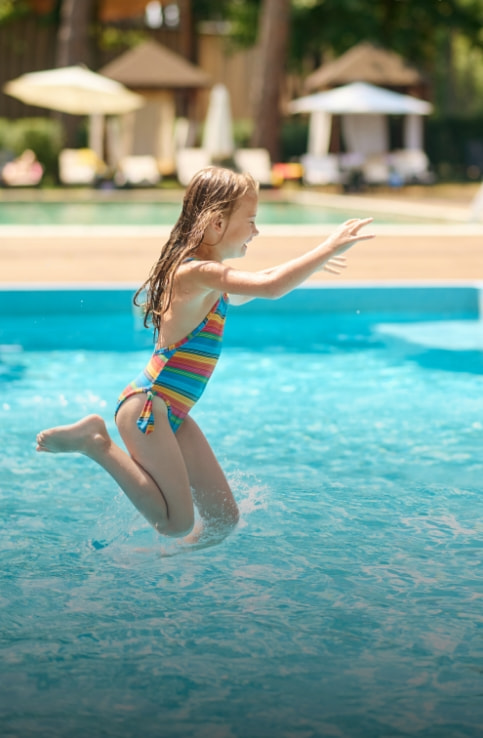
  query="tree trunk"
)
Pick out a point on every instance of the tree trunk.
point(73, 39)
point(273, 41)
point(74, 46)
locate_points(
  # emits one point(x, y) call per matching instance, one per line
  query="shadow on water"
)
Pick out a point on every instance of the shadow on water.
point(435, 329)
point(447, 360)
point(469, 362)
point(440, 346)
point(290, 334)
point(453, 346)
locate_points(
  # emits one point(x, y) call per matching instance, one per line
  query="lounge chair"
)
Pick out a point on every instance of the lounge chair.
point(188, 162)
point(137, 171)
point(321, 170)
point(476, 206)
point(255, 162)
point(80, 167)
point(376, 170)
point(412, 165)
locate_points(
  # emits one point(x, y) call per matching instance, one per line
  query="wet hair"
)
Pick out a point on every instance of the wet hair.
point(212, 192)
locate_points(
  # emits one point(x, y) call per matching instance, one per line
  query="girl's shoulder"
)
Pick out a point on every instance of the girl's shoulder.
point(194, 280)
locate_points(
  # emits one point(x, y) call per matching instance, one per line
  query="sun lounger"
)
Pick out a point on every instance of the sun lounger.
point(188, 162)
point(321, 170)
point(137, 171)
point(376, 170)
point(412, 165)
point(80, 167)
point(257, 163)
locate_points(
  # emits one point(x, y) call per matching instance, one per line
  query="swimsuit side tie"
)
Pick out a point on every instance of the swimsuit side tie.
point(145, 422)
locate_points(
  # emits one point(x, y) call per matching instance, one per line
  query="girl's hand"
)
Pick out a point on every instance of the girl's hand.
point(347, 234)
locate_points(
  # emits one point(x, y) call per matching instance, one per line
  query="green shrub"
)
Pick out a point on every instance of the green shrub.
point(5, 134)
point(455, 146)
point(242, 132)
point(293, 137)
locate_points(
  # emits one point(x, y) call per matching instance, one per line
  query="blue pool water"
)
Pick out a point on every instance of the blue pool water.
point(347, 604)
point(105, 212)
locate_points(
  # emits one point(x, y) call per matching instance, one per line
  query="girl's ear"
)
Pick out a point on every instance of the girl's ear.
point(218, 224)
point(214, 229)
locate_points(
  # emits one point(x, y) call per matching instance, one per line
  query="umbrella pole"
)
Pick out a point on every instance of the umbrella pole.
point(96, 134)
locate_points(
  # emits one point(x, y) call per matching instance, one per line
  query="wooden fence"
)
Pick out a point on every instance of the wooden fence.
point(29, 45)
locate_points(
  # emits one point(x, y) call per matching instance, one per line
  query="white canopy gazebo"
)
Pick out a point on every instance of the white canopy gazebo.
point(364, 109)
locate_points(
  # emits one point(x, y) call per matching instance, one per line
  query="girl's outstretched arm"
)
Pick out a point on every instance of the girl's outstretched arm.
point(333, 266)
point(279, 280)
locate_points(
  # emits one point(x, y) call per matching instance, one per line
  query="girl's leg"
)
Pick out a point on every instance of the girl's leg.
point(212, 494)
point(154, 477)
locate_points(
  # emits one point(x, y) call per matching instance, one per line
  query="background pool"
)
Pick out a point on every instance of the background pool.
point(348, 601)
point(105, 212)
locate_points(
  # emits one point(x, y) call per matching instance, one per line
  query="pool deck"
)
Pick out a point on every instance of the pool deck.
point(449, 252)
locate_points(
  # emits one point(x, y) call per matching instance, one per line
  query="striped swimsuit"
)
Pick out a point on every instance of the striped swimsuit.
point(178, 373)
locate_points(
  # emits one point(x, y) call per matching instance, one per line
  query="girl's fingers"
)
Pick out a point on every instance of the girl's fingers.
point(337, 260)
point(335, 264)
point(356, 223)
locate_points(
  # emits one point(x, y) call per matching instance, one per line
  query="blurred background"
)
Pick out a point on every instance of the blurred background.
point(215, 79)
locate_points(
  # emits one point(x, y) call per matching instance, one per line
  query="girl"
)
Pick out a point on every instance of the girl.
point(170, 466)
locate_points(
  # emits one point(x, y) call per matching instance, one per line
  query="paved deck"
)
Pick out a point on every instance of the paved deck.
point(451, 251)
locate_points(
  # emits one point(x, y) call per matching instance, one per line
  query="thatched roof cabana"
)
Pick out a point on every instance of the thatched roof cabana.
point(158, 74)
point(366, 63)
point(151, 66)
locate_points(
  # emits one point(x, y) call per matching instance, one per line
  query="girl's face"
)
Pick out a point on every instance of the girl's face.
point(239, 229)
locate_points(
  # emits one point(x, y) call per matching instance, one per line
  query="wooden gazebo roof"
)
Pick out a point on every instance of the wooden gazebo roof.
point(152, 66)
point(365, 63)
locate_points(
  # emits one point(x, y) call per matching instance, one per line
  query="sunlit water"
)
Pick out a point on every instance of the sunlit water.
point(349, 601)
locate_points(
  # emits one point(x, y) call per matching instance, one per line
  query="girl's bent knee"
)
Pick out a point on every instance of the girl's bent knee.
point(225, 522)
point(179, 527)
point(232, 514)
point(233, 517)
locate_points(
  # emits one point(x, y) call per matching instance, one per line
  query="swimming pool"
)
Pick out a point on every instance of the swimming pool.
point(132, 212)
point(348, 601)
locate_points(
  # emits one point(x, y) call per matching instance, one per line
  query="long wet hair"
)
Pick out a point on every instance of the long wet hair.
point(212, 192)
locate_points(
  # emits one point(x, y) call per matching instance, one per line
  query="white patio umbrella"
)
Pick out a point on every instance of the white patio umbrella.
point(218, 129)
point(74, 90)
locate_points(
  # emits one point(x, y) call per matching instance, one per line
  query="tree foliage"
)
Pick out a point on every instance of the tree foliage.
point(409, 27)
point(412, 28)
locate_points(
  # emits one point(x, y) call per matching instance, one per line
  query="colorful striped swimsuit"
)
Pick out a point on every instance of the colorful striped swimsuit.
point(178, 373)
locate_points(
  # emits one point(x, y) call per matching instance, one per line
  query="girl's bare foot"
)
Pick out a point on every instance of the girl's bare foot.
point(86, 437)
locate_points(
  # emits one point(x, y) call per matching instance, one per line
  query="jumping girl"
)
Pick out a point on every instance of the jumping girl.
point(170, 467)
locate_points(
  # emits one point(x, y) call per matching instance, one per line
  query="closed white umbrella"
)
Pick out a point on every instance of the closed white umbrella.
point(74, 90)
point(218, 129)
